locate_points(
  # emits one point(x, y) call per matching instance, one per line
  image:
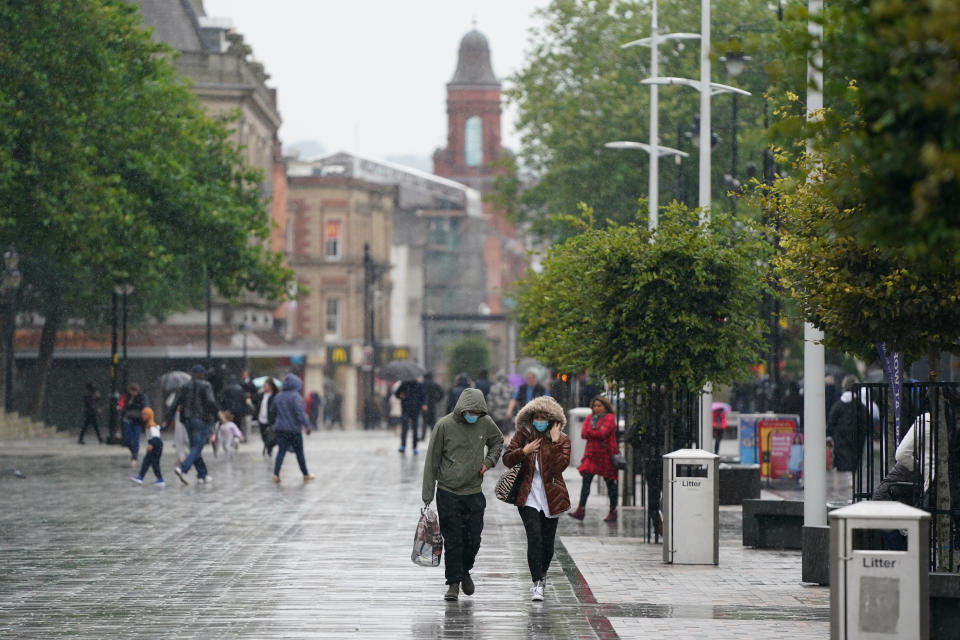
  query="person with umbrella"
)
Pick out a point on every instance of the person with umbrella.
point(413, 400)
point(198, 409)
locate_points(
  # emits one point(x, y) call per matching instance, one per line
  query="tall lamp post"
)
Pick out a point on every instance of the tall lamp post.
point(653, 148)
point(369, 338)
point(707, 90)
point(9, 285)
point(735, 61)
point(123, 289)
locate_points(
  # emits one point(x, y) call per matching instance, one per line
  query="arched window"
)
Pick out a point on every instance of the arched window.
point(473, 142)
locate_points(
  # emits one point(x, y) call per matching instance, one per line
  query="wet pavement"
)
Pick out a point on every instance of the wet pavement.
point(87, 554)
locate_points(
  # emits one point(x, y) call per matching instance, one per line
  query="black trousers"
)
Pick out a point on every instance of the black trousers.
point(541, 534)
point(461, 523)
point(612, 490)
point(90, 420)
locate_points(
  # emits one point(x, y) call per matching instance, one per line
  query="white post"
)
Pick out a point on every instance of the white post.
point(654, 190)
point(814, 411)
point(706, 415)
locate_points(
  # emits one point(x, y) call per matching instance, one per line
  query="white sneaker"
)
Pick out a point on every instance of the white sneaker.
point(180, 475)
point(537, 591)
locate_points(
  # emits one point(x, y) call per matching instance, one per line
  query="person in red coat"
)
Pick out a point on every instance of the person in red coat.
point(600, 432)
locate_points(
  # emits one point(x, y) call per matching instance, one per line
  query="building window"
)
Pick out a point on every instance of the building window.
point(332, 242)
point(333, 317)
point(473, 142)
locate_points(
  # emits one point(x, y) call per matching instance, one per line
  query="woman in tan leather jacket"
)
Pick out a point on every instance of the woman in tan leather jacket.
point(544, 450)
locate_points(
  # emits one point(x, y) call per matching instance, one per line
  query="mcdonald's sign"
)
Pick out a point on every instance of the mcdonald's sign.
point(338, 355)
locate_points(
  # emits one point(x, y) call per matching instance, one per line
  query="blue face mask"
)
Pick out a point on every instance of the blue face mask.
point(540, 425)
point(471, 417)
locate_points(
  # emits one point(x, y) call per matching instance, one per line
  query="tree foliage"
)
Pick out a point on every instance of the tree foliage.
point(891, 80)
point(579, 90)
point(468, 355)
point(862, 296)
point(674, 307)
point(111, 171)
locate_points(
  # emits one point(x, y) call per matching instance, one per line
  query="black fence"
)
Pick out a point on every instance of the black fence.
point(658, 421)
point(928, 411)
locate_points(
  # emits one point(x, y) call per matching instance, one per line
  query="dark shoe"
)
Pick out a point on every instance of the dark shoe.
point(453, 591)
point(81, 442)
point(612, 516)
point(578, 514)
point(468, 586)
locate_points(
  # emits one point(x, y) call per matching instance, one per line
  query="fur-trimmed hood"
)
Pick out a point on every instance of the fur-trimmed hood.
point(541, 404)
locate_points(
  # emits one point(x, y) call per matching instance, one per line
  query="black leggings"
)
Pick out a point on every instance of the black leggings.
point(612, 489)
point(541, 534)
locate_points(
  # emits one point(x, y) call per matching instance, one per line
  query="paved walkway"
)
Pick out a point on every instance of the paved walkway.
point(87, 554)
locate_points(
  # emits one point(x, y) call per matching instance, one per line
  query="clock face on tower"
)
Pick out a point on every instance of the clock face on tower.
point(473, 142)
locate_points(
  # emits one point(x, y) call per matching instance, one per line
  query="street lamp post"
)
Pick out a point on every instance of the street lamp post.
point(707, 89)
point(369, 338)
point(653, 148)
point(735, 61)
point(10, 284)
point(123, 289)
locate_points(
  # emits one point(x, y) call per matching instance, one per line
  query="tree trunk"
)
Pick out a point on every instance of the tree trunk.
point(48, 340)
point(941, 470)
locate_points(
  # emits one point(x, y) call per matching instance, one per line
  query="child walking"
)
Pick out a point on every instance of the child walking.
point(227, 431)
point(154, 449)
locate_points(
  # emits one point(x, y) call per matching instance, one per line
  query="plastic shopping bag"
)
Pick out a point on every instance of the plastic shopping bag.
point(427, 542)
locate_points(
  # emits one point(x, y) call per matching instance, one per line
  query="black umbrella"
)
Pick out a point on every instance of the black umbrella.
point(401, 370)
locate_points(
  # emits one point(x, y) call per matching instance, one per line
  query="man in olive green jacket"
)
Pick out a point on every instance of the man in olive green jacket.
point(464, 445)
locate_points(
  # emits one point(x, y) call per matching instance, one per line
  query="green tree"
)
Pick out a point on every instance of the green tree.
point(468, 355)
point(112, 172)
point(672, 309)
point(579, 90)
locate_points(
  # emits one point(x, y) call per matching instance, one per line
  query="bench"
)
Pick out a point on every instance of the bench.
point(738, 482)
point(773, 524)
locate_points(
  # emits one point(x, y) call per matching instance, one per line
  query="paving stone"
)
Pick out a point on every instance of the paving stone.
point(88, 554)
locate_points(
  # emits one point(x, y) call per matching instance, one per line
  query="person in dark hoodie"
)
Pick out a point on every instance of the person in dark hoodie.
point(464, 445)
point(288, 419)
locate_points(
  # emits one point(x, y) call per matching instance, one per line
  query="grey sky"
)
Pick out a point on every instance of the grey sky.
point(370, 76)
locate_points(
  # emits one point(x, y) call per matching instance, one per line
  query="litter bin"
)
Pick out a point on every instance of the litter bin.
point(876, 592)
point(578, 445)
point(691, 507)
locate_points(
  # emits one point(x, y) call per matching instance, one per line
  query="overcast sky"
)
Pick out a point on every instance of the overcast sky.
point(369, 76)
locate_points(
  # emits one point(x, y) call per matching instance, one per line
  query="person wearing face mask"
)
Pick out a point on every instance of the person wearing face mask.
point(464, 445)
point(544, 451)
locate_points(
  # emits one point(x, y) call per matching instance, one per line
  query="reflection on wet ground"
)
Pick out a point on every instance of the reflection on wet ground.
point(87, 554)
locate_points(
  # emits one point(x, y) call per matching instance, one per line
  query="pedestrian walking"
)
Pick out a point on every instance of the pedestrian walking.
point(132, 404)
point(530, 389)
point(461, 382)
point(288, 420)
point(434, 393)
point(198, 409)
point(413, 400)
point(227, 433)
point(842, 428)
point(544, 451)
point(464, 444)
point(314, 404)
point(154, 449)
point(483, 383)
point(600, 432)
point(498, 400)
point(264, 405)
point(91, 412)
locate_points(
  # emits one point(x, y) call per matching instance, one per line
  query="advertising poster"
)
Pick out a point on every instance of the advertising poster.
point(748, 437)
point(766, 427)
point(780, 445)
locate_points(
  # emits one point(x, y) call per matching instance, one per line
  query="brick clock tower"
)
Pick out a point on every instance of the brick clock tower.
point(473, 118)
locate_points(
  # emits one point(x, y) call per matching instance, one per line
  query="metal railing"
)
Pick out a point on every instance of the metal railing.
point(925, 408)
